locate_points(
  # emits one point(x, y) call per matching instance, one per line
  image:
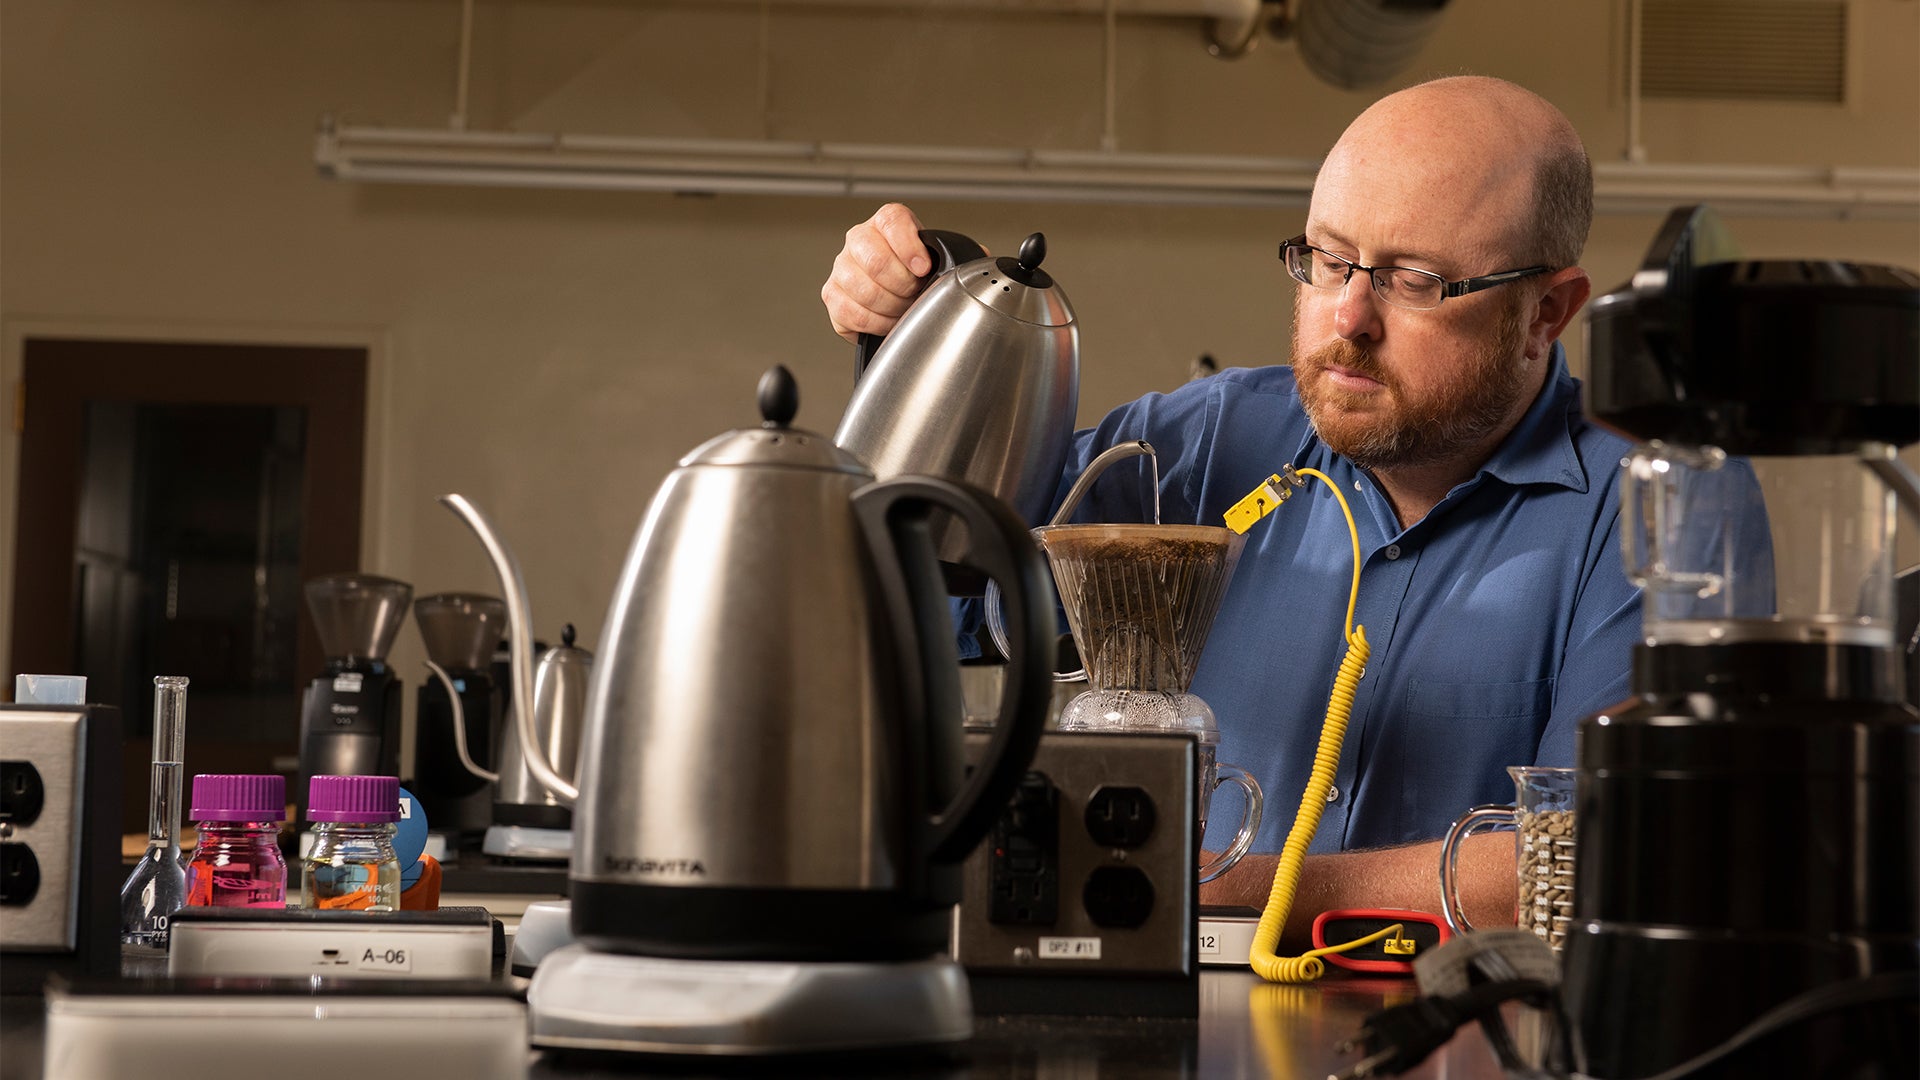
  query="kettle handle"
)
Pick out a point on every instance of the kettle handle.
point(895, 516)
point(949, 249)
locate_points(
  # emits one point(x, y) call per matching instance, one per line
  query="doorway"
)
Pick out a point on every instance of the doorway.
point(173, 499)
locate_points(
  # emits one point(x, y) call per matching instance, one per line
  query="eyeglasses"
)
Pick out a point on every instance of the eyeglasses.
point(1401, 286)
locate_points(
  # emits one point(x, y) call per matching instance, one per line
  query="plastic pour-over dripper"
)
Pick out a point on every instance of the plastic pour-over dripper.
point(1141, 599)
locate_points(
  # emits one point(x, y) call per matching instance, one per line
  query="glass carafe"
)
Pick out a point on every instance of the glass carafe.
point(1831, 525)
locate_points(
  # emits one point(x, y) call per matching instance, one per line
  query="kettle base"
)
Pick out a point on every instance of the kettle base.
point(581, 999)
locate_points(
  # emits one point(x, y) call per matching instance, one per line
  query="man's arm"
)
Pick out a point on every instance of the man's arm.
point(1400, 877)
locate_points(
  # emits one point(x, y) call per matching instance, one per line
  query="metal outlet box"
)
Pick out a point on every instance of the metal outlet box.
point(1083, 898)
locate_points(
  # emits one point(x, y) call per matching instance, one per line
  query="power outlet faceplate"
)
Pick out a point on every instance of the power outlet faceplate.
point(1120, 812)
point(46, 746)
point(59, 842)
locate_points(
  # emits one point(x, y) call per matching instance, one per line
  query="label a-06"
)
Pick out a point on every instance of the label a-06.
point(374, 957)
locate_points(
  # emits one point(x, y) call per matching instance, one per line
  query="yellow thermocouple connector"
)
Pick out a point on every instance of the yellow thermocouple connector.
point(1398, 946)
point(1262, 500)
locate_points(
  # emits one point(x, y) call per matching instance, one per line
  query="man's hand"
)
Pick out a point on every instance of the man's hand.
point(1403, 877)
point(877, 274)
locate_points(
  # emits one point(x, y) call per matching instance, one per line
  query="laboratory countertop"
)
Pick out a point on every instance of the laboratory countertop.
point(1245, 1028)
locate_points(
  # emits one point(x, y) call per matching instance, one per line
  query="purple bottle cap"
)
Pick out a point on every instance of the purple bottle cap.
point(239, 797)
point(353, 798)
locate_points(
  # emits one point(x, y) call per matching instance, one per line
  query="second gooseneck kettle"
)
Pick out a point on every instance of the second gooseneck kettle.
point(771, 764)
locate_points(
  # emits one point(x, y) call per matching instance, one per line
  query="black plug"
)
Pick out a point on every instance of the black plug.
point(1401, 1037)
point(1398, 1038)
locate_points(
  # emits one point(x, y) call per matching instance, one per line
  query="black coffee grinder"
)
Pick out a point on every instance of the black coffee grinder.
point(350, 714)
point(460, 631)
point(1750, 819)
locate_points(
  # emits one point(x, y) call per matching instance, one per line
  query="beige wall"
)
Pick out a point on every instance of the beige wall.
point(551, 354)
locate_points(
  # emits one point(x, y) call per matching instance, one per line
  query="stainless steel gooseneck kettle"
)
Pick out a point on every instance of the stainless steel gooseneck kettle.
point(979, 382)
point(771, 766)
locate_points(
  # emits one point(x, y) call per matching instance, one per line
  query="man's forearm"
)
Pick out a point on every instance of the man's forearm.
point(1402, 877)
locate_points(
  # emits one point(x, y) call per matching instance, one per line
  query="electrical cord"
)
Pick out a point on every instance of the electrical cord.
point(1868, 990)
point(1326, 759)
point(1399, 1038)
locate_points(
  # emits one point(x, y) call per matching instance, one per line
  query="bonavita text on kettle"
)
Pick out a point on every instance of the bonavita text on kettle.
point(666, 867)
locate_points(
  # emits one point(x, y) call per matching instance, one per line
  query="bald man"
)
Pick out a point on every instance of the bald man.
point(1437, 270)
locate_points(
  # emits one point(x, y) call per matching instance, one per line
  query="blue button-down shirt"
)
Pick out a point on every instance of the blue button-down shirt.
point(1495, 623)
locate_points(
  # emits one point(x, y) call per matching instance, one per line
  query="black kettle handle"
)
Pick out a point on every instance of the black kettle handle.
point(895, 516)
point(949, 249)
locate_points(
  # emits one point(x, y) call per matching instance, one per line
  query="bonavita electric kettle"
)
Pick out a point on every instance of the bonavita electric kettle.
point(771, 764)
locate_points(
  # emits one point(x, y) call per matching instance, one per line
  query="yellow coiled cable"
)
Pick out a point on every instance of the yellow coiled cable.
point(1326, 759)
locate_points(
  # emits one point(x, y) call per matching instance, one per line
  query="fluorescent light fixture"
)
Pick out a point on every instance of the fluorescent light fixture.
point(770, 167)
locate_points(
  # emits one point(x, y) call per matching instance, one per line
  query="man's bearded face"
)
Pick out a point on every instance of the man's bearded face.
point(1396, 426)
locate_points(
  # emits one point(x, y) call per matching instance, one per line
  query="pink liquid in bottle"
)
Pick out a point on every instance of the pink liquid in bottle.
point(237, 861)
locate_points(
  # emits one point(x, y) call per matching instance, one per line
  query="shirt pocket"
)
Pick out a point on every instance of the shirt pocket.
point(1454, 743)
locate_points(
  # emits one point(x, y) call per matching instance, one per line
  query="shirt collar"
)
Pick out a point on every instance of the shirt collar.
point(1539, 449)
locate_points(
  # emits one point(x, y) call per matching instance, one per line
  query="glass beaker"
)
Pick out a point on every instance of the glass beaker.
point(1542, 812)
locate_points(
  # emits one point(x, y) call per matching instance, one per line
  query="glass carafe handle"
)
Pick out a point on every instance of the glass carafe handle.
point(1472, 821)
point(1249, 821)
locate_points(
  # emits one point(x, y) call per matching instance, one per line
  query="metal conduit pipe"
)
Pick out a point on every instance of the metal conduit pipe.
point(792, 167)
point(1233, 23)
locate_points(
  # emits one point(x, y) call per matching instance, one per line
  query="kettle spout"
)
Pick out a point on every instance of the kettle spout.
point(513, 586)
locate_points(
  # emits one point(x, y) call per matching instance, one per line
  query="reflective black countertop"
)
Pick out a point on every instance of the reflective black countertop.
point(1245, 1029)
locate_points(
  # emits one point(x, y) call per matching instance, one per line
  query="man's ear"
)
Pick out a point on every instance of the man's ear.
point(1567, 292)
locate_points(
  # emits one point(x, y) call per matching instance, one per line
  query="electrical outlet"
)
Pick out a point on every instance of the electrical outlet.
point(19, 875)
point(21, 793)
point(59, 842)
point(1118, 897)
point(1120, 817)
point(1025, 855)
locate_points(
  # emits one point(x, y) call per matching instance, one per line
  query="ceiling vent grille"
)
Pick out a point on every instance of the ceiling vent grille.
point(1744, 50)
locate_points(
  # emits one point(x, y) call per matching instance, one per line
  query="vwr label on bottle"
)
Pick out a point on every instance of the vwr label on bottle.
point(1069, 948)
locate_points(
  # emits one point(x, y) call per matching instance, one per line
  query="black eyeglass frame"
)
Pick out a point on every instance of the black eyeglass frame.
point(1447, 288)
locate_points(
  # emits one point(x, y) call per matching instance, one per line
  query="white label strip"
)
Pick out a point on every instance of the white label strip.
point(1069, 948)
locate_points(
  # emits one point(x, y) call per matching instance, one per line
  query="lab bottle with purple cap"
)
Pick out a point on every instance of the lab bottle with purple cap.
point(352, 865)
point(236, 858)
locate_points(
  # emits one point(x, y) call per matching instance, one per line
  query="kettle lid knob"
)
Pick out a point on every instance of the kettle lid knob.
point(779, 397)
point(1026, 269)
point(566, 636)
point(1032, 250)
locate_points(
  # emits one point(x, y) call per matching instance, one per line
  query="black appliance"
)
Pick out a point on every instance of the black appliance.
point(461, 632)
point(1750, 818)
point(350, 714)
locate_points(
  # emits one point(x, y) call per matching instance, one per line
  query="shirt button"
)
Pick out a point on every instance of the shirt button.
point(1356, 486)
point(1393, 551)
point(1333, 793)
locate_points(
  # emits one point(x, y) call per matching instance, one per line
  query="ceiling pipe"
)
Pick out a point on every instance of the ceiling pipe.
point(791, 167)
point(1232, 25)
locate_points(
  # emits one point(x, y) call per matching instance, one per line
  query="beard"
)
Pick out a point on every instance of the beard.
point(1385, 429)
